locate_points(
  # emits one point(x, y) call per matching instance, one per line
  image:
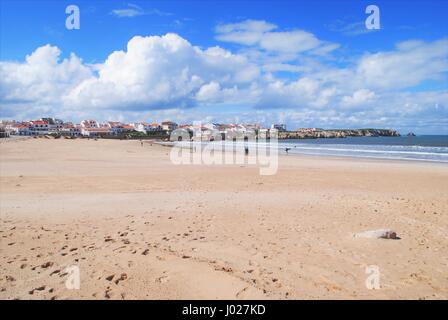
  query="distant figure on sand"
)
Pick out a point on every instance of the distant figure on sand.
point(287, 149)
point(141, 142)
point(246, 150)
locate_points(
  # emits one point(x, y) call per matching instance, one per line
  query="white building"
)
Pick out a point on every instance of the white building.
point(115, 127)
point(169, 126)
point(69, 129)
point(152, 127)
point(54, 125)
point(89, 124)
point(19, 129)
point(139, 126)
point(22, 129)
point(39, 127)
point(95, 132)
point(279, 127)
point(263, 133)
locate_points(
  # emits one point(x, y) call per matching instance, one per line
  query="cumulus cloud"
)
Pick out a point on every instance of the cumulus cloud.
point(166, 76)
point(42, 77)
point(157, 72)
point(213, 93)
point(411, 63)
point(362, 96)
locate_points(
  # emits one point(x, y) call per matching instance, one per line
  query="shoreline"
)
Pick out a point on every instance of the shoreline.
point(333, 157)
point(281, 154)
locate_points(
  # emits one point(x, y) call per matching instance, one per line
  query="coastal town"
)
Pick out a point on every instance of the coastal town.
point(52, 127)
point(86, 128)
point(95, 129)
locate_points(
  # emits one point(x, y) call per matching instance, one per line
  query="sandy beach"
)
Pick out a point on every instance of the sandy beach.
point(139, 227)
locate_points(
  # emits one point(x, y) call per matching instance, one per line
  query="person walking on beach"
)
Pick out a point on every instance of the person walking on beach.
point(141, 142)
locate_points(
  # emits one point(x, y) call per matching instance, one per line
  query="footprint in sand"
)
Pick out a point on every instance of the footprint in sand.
point(10, 278)
point(163, 279)
point(122, 277)
point(108, 293)
point(55, 272)
point(46, 265)
point(41, 288)
point(110, 278)
point(108, 239)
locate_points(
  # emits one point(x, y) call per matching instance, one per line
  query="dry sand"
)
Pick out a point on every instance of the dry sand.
point(114, 208)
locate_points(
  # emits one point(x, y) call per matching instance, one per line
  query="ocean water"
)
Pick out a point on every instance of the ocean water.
point(419, 148)
point(430, 148)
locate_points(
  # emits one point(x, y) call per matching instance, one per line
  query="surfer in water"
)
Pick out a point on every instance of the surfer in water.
point(287, 149)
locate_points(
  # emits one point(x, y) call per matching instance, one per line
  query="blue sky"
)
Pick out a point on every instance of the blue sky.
point(303, 63)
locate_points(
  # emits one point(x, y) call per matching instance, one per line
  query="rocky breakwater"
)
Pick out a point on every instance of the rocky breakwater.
point(339, 133)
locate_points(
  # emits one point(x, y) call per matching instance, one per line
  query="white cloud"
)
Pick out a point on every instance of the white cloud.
point(133, 10)
point(291, 41)
point(248, 32)
point(42, 77)
point(158, 74)
point(273, 67)
point(410, 64)
point(208, 91)
point(213, 93)
point(359, 97)
point(350, 28)
point(261, 34)
point(304, 93)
